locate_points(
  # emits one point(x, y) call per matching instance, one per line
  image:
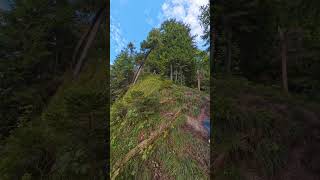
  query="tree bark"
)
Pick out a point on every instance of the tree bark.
point(283, 44)
point(176, 72)
point(80, 42)
point(91, 37)
point(140, 67)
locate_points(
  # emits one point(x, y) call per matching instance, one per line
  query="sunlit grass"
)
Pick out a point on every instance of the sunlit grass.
point(170, 149)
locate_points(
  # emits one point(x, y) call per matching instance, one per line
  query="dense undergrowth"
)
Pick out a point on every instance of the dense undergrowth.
point(256, 127)
point(67, 140)
point(143, 109)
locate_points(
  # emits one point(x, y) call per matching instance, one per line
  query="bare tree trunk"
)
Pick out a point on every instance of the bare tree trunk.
point(80, 42)
point(283, 42)
point(135, 77)
point(138, 73)
point(228, 51)
point(176, 72)
point(91, 37)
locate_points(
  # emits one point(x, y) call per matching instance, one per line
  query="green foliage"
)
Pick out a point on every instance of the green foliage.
point(203, 68)
point(263, 123)
point(205, 23)
point(52, 126)
point(32, 58)
point(139, 113)
point(254, 42)
point(68, 139)
point(172, 152)
point(153, 40)
point(122, 71)
point(169, 51)
point(175, 48)
point(28, 151)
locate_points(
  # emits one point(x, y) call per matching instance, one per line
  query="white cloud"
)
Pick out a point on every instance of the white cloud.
point(179, 11)
point(116, 35)
point(149, 19)
point(186, 11)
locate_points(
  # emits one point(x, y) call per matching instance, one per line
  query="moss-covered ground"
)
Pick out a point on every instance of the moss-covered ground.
point(260, 132)
point(176, 153)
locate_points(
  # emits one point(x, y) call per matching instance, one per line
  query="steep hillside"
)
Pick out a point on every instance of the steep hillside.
point(159, 130)
point(261, 133)
point(67, 141)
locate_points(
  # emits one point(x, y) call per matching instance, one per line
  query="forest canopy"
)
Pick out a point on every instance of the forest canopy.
point(169, 51)
point(46, 132)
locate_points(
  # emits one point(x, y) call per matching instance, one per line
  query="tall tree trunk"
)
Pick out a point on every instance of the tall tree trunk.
point(80, 42)
point(135, 77)
point(228, 50)
point(176, 73)
point(283, 43)
point(138, 74)
point(90, 39)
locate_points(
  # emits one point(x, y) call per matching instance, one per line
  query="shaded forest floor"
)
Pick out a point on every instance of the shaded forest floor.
point(262, 134)
point(67, 138)
point(148, 109)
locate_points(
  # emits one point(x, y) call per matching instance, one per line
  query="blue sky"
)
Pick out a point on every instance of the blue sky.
point(131, 20)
